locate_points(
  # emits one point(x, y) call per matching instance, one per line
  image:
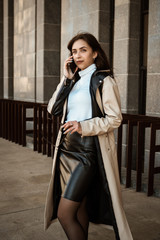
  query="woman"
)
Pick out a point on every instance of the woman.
point(85, 182)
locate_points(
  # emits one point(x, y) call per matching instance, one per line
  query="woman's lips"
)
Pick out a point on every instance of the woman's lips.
point(79, 62)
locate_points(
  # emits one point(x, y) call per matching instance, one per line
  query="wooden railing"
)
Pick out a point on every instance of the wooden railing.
point(141, 122)
point(13, 119)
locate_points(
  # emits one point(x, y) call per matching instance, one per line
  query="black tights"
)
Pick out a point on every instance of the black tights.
point(74, 219)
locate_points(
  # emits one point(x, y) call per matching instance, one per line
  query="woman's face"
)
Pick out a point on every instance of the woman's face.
point(83, 54)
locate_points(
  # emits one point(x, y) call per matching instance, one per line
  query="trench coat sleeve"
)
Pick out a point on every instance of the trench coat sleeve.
point(55, 105)
point(112, 111)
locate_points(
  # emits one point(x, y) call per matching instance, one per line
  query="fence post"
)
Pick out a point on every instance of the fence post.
point(119, 149)
point(49, 133)
point(5, 120)
point(129, 154)
point(140, 154)
point(19, 129)
point(9, 120)
point(12, 121)
point(16, 122)
point(153, 149)
point(35, 128)
point(44, 128)
point(24, 125)
point(39, 128)
point(1, 118)
point(151, 160)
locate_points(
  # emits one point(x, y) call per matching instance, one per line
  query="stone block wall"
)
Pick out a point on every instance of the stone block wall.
point(126, 52)
point(1, 48)
point(8, 49)
point(36, 49)
point(48, 48)
point(104, 26)
point(24, 49)
point(42, 29)
point(153, 73)
point(126, 61)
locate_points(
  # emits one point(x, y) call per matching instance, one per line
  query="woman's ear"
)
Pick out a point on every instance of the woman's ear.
point(95, 54)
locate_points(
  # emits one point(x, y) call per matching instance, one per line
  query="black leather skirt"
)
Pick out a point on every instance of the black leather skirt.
point(77, 165)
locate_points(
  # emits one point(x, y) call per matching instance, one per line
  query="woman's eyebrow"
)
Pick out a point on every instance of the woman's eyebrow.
point(79, 48)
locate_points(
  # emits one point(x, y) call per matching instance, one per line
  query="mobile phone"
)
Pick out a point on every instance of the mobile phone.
point(72, 66)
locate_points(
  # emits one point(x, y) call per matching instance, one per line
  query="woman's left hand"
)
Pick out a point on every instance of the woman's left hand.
point(72, 126)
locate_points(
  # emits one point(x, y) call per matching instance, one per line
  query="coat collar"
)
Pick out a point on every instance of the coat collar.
point(96, 84)
point(97, 79)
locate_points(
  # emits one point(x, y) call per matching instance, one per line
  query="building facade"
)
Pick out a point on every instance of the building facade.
point(33, 45)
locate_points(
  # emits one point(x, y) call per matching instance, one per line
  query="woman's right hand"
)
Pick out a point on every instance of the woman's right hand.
point(67, 70)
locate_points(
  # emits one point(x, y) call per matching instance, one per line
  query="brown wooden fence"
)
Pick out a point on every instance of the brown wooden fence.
point(141, 122)
point(13, 119)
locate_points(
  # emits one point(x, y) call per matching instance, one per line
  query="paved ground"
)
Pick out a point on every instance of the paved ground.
point(24, 177)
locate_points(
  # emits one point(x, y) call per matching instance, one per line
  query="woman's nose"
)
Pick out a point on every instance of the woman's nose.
point(78, 55)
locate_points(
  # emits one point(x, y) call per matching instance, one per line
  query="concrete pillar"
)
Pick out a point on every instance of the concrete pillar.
point(8, 49)
point(126, 52)
point(24, 49)
point(153, 73)
point(86, 15)
point(36, 49)
point(48, 48)
point(104, 25)
point(126, 59)
point(1, 48)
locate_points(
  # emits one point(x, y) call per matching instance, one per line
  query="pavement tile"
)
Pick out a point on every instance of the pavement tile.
point(24, 178)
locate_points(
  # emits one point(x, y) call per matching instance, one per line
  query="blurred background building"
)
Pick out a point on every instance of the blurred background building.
point(34, 35)
point(33, 45)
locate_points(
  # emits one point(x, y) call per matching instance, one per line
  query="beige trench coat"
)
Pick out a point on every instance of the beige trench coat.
point(103, 127)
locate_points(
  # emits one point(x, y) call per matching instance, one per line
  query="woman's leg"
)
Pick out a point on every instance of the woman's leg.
point(82, 216)
point(68, 217)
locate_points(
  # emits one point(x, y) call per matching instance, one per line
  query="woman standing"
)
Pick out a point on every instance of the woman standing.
point(85, 182)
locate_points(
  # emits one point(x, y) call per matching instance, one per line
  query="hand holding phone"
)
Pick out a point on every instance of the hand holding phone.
point(70, 68)
point(73, 66)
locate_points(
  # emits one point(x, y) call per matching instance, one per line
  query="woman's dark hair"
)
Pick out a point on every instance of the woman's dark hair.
point(101, 60)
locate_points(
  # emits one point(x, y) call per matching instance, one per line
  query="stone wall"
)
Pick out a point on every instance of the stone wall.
point(126, 62)
point(153, 73)
point(39, 36)
point(1, 48)
point(42, 29)
point(8, 49)
point(36, 49)
point(126, 52)
point(24, 49)
point(48, 48)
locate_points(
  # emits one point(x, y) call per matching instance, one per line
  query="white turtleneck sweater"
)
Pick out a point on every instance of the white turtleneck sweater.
point(79, 100)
